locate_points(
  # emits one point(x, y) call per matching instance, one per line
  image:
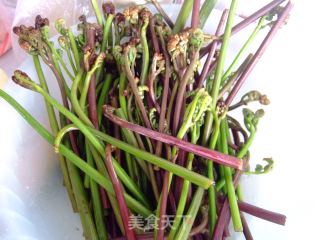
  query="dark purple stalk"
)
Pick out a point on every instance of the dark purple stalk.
point(224, 214)
point(259, 52)
point(212, 50)
point(259, 212)
point(262, 213)
point(164, 199)
point(246, 230)
point(181, 92)
point(164, 101)
point(124, 211)
point(153, 35)
point(195, 14)
point(163, 205)
point(151, 95)
point(206, 153)
point(173, 204)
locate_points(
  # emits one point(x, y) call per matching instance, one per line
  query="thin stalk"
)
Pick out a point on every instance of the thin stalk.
point(219, 70)
point(171, 101)
point(183, 16)
point(212, 190)
point(103, 98)
point(222, 219)
point(165, 92)
point(106, 32)
point(154, 38)
point(97, 12)
point(213, 47)
point(190, 216)
point(122, 98)
point(112, 199)
point(223, 54)
point(205, 11)
point(96, 201)
point(234, 209)
point(181, 91)
point(119, 194)
point(258, 54)
point(74, 49)
point(246, 230)
point(243, 49)
point(145, 53)
point(71, 61)
point(57, 57)
point(195, 14)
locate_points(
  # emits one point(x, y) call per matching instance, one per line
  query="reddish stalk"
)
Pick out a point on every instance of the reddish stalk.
point(154, 39)
point(165, 190)
point(212, 49)
point(201, 151)
point(119, 195)
point(262, 213)
point(164, 101)
point(246, 230)
point(181, 92)
point(258, 212)
point(195, 14)
point(224, 214)
point(164, 199)
point(259, 52)
point(163, 206)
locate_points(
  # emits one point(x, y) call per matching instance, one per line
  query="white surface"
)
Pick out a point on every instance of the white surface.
point(31, 193)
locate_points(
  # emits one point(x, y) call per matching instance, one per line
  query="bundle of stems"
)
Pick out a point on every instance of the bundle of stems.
point(145, 136)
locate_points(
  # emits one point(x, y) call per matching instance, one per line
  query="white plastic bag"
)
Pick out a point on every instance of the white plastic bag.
point(6, 17)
